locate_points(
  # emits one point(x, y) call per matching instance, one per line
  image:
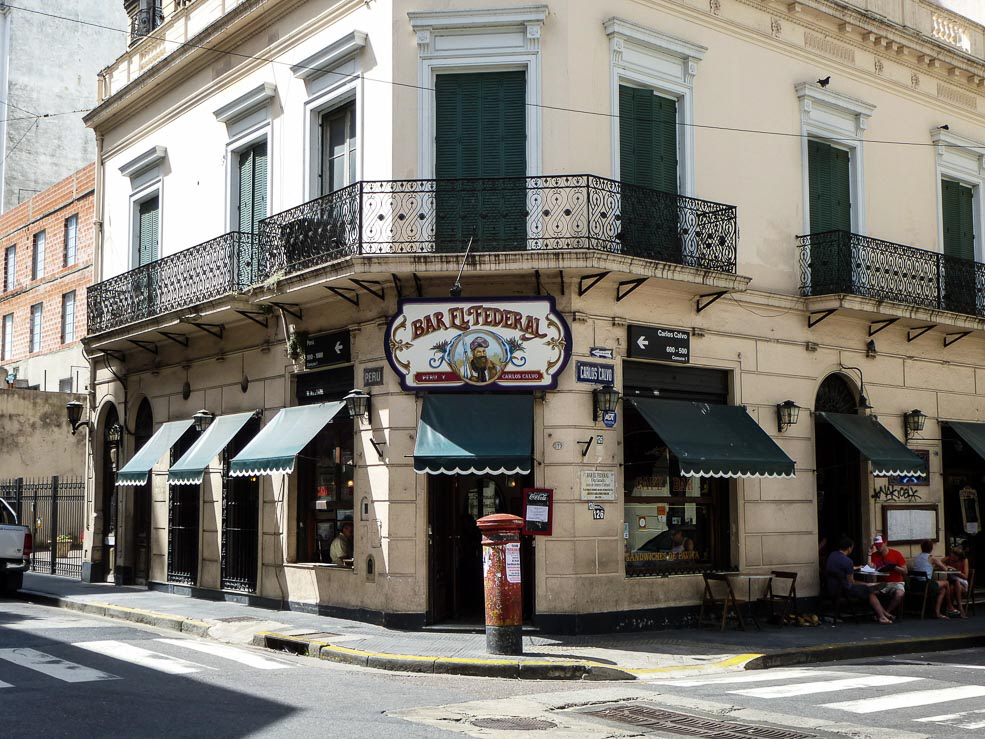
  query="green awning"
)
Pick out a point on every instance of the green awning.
point(888, 455)
point(973, 434)
point(138, 468)
point(277, 445)
point(714, 440)
point(475, 435)
point(190, 469)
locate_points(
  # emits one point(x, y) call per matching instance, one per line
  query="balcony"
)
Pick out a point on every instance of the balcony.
point(838, 262)
point(380, 218)
point(144, 21)
point(229, 263)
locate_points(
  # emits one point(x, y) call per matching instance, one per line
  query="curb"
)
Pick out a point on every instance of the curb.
point(467, 666)
point(108, 610)
point(862, 650)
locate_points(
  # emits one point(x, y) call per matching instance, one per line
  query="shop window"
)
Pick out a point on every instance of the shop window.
point(325, 474)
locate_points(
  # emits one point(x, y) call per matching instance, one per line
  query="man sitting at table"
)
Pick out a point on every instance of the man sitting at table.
point(839, 571)
point(893, 563)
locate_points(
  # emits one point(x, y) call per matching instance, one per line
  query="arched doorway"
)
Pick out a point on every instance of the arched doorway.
point(142, 432)
point(838, 467)
point(110, 496)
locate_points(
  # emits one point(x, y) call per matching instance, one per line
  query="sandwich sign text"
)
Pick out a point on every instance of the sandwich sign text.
point(463, 344)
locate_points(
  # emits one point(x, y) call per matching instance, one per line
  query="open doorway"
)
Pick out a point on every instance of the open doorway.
point(455, 503)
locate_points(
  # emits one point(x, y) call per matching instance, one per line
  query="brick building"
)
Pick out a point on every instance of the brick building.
point(46, 247)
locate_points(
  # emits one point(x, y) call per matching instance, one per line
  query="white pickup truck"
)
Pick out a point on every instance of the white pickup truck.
point(15, 550)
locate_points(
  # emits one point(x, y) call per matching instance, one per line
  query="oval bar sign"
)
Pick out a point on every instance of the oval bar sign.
point(478, 344)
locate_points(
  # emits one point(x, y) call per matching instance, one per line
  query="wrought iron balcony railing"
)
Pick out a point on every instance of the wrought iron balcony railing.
point(841, 262)
point(504, 214)
point(144, 21)
point(429, 217)
point(229, 263)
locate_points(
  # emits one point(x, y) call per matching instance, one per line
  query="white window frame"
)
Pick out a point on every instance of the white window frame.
point(644, 58)
point(332, 77)
point(10, 268)
point(36, 326)
point(234, 148)
point(38, 255)
point(481, 40)
point(75, 241)
point(65, 337)
point(961, 160)
point(839, 121)
point(7, 337)
point(146, 175)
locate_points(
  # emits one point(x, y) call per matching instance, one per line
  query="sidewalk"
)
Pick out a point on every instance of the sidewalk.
point(623, 656)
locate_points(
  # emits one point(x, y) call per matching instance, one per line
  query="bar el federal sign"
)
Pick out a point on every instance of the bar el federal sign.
point(478, 344)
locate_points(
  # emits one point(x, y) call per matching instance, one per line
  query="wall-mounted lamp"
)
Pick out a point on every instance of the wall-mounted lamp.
point(870, 348)
point(74, 411)
point(114, 433)
point(202, 420)
point(357, 402)
point(604, 399)
point(787, 414)
point(863, 404)
point(913, 422)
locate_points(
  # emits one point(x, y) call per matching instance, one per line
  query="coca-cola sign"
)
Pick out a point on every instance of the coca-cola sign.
point(478, 343)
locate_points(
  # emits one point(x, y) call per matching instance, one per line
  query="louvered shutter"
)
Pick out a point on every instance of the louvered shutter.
point(149, 223)
point(246, 191)
point(829, 184)
point(957, 203)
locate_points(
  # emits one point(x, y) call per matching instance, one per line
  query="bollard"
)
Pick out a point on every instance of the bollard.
point(501, 575)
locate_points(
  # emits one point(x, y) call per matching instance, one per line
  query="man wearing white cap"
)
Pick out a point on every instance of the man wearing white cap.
point(893, 563)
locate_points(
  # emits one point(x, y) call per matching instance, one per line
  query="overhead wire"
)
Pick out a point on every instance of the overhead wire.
point(409, 85)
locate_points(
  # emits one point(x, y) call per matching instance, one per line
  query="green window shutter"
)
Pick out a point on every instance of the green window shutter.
point(252, 187)
point(647, 139)
point(957, 204)
point(259, 183)
point(149, 224)
point(829, 185)
point(246, 191)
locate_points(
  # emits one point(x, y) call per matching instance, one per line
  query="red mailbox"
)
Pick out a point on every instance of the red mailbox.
point(501, 574)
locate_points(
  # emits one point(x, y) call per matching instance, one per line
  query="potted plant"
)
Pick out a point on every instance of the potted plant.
point(63, 544)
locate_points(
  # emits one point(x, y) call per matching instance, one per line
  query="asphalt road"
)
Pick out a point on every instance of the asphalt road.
point(66, 674)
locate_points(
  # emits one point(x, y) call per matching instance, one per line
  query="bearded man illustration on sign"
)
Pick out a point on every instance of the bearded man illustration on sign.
point(477, 366)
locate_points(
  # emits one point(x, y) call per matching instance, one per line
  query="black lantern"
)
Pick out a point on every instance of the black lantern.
point(913, 422)
point(202, 420)
point(605, 399)
point(787, 414)
point(74, 411)
point(114, 433)
point(357, 402)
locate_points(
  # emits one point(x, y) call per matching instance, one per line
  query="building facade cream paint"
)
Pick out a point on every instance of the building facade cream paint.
point(741, 63)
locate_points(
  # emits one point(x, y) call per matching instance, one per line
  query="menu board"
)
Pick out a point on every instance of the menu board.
point(538, 511)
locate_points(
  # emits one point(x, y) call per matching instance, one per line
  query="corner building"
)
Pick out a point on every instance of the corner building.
point(480, 214)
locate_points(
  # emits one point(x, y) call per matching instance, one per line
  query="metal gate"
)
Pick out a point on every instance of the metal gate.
point(240, 525)
point(183, 510)
point(54, 510)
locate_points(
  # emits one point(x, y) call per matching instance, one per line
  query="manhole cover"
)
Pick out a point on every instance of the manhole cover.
point(510, 723)
point(681, 723)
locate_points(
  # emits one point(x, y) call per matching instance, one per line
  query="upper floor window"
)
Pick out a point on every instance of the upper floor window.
point(829, 187)
point(10, 267)
point(71, 240)
point(147, 230)
point(338, 148)
point(252, 180)
point(37, 256)
point(7, 338)
point(146, 15)
point(68, 317)
point(35, 336)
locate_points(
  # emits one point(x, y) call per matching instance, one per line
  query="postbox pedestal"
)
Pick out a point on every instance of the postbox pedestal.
point(501, 575)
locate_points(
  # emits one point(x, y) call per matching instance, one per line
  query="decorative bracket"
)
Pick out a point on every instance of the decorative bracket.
point(346, 293)
point(417, 284)
point(252, 315)
point(631, 284)
point(113, 354)
point(956, 336)
point(817, 316)
point(147, 346)
point(213, 329)
point(560, 276)
point(588, 445)
point(706, 300)
point(538, 283)
point(376, 446)
point(396, 285)
point(379, 294)
point(917, 331)
point(877, 326)
point(592, 280)
point(290, 309)
point(176, 338)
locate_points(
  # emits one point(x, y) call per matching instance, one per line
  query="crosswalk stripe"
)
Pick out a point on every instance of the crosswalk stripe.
point(35, 624)
point(824, 686)
point(908, 700)
point(754, 676)
point(69, 672)
point(5, 685)
point(230, 653)
point(139, 656)
point(956, 719)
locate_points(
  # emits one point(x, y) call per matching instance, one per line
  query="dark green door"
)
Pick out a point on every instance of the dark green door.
point(480, 161)
point(830, 198)
point(958, 266)
point(648, 172)
point(148, 251)
point(252, 209)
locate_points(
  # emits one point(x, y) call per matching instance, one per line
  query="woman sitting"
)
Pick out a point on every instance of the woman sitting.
point(924, 565)
point(958, 582)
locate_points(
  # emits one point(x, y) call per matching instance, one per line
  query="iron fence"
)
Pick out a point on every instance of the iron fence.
point(841, 262)
point(54, 510)
point(144, 21)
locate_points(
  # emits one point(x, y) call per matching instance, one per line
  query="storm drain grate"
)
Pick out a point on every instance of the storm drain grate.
point(511, 723)
point(681, 723)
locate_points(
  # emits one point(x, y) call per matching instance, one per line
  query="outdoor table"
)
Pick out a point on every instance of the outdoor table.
point(944, 574)
point(870, 576)
point(749, 577)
